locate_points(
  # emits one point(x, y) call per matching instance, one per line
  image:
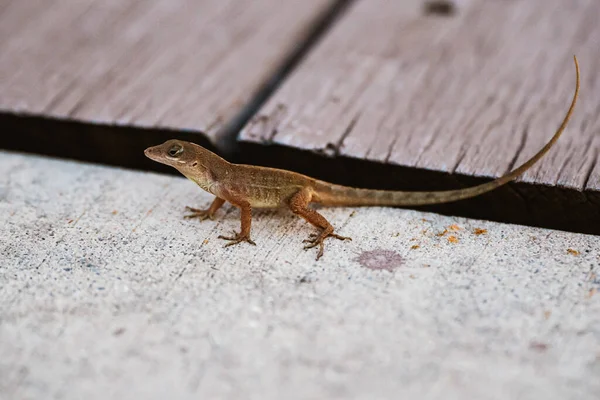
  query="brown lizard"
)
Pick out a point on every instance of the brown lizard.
point(247, 186)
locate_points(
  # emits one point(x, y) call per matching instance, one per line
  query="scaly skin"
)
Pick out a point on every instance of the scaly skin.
point(248, 187)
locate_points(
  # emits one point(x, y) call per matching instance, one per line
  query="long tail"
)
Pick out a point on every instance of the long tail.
point(347, 196)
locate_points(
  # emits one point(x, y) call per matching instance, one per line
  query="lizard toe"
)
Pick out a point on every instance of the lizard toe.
point(197, 213)
point(340, 237)
point(236, 238)
point(315, 240)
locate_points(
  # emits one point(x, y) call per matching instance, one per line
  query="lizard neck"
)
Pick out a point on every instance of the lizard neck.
point(208, 174)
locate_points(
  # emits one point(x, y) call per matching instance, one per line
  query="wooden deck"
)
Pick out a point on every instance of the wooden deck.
point(190, 66)
point(421, 95)
point(475, 93)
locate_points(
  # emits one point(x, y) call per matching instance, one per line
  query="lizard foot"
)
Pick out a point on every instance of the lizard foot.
point(236, 238)
point(318, 240)
point(197, 213)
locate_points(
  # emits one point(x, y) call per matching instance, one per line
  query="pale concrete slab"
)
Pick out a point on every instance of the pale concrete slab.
point(107, 293)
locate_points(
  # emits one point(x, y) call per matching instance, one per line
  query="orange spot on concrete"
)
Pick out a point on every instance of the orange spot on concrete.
point(452, 239)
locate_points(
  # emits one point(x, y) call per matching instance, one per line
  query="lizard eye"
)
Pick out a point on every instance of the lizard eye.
point(175, 150)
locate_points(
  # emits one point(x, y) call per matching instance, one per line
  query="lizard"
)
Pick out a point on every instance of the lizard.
point(248, 186)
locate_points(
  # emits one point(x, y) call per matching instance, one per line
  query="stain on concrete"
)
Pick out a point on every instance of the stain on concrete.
point(380, 259)
point(538, 346)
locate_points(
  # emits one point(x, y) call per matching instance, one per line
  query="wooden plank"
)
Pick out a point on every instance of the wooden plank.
point(106, 292)
point(472, 93)
point(188, 65)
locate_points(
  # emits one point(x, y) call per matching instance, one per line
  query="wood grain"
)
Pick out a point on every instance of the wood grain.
point(473, 92)
point(189, 65)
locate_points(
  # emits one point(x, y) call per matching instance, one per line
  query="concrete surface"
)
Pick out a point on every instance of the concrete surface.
point(107, 293)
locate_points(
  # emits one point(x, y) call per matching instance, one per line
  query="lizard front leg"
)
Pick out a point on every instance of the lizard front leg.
point(299, 205)
point(246, 221)
point(203, 214)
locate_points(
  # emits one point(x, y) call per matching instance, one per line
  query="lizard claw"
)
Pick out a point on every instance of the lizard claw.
point(237, 238)
point(319, 239)
point(197, 213)
point(311, 238)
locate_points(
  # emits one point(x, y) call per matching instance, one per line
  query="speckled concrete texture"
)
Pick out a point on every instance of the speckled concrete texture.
point(106, 292)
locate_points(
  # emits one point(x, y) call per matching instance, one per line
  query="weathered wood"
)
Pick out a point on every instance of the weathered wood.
point(106, 292)
point(189, 65)
point(473, 92)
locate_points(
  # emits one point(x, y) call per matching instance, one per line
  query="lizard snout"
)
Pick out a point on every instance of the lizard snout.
point(152, 153)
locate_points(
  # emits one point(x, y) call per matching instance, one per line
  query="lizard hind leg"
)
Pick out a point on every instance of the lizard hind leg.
point(299, 205)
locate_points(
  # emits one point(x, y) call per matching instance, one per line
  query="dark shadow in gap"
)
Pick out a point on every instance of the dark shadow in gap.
point(105, 144)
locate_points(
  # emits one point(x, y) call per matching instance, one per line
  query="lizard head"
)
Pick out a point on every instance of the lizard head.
point(193, 161)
